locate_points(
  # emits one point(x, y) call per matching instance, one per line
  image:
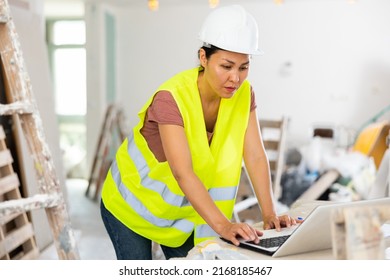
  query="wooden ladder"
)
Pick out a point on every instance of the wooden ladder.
point(274, 132)
point(20, 104)
point(113, 120)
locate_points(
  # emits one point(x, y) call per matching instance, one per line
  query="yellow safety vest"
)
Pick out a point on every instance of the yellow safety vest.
point(142, 192)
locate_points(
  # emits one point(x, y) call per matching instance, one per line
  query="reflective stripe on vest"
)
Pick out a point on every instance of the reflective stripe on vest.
point(204, 231)
point(217, 194)
point(183, 225)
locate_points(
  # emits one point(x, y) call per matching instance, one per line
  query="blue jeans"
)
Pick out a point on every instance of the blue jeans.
point(129, 245)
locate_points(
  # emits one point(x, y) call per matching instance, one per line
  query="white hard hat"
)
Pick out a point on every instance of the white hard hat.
point(231, 28)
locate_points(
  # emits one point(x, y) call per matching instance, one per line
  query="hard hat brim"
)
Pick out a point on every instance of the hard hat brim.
point(250, 52)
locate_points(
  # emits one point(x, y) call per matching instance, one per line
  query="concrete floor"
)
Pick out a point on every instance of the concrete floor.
point(92, 240)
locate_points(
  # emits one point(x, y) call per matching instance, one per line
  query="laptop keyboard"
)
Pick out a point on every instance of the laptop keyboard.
point(272, 241)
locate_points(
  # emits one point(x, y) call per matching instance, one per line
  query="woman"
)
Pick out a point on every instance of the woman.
point(174, 179)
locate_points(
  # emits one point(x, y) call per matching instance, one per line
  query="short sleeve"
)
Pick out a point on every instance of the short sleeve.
point(164, 109)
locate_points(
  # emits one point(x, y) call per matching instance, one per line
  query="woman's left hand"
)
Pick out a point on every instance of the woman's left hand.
point(277, 222)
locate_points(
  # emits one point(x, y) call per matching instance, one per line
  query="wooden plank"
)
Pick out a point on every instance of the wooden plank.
point(6, 219)
point(31, 255)
point(16, 108)
point(9, 183)
point(271, 144)
point(269, 123)
point(17, 237)
point(5, 158)
point(3, 251)
point(38, 201)
point(320, 186)
point(29, 252)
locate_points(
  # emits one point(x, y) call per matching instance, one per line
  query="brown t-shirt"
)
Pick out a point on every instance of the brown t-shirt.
point(164, 110)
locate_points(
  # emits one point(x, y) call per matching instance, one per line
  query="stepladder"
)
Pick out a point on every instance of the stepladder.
point(112, 133)
point(20, 105)
point(274, 140)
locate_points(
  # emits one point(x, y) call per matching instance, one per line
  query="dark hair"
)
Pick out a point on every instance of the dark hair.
point(209, 50)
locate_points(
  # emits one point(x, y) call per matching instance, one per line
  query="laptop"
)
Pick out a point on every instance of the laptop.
point(313, 234)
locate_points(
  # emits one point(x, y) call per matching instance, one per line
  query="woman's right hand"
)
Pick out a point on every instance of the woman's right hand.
point(232, 231)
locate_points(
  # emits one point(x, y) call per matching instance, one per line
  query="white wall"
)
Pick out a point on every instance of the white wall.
point(326, 61)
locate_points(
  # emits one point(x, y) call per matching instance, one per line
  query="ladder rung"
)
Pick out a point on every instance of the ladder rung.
point(5, 219)
point(17, 237)
point(5, 158)
point(18, 107)
point(9, 183)
point(38, 201)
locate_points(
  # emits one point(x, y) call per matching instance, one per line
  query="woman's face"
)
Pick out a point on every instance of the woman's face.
point(224, 71)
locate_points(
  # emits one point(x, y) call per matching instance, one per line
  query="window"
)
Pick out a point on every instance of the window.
point(66, 39)
point(66, 44)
